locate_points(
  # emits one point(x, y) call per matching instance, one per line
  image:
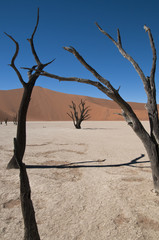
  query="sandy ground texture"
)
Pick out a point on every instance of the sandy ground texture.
point(104, 191)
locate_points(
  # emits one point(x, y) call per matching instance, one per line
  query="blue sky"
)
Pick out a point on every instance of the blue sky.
point(71, 23)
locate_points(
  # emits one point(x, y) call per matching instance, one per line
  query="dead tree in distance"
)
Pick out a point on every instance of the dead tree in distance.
point(15, 119)
point(28, 88)
point(78, 116)
point(149, 140)
point(6, 121)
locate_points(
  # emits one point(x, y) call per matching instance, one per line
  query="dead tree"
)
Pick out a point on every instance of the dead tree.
point(149, 140)
point(15, 119)
point(79, 116)
point(28, 87)
point(30, 225)
point(6, 121)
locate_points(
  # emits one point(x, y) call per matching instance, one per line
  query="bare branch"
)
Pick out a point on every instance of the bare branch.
point(70, 115)
point(40, 65)
point(37, 22)
point(32, 43)
point(86, 116)
point(30, 71)
point(153, 69)
point(127, 56)
point(79, 106)
point(89, 68)
point(82, 61)
point(118, 89)
point(105, 33)
point(80, 80)
point(13, 60)
point(119, 38)
point(126, 117)
point(46, 64)
point(146, 28)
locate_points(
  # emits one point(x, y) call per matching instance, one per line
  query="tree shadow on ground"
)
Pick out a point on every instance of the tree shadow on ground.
point(98, 128)
point(88, 164)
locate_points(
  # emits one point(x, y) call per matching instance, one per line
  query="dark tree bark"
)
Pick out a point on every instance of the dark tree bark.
point(149, 140)
point(28, 87)
point(79, 116)
point(30, 225)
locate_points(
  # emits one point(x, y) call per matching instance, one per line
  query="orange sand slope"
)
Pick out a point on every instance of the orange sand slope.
point(48, 105)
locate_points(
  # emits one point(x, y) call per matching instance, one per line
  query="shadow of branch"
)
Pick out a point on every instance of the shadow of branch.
point(132, 163)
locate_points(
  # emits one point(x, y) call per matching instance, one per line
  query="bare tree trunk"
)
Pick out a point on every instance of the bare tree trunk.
point(77, 124)
point(21, 127)
point(30, 225)
point(153, 153)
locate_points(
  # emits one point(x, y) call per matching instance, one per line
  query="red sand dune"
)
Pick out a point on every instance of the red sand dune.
point(48, 105)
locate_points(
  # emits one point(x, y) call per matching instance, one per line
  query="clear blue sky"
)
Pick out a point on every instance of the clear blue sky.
point(71, 23)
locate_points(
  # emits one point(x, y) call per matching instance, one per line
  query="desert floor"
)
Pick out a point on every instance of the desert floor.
point(104, 192)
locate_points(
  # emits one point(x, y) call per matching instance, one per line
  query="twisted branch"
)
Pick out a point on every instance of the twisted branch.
point(153, 69)
point(13, 60)
point(32, 43)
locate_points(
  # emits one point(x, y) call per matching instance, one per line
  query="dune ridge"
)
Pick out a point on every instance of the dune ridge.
point(49, 105)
